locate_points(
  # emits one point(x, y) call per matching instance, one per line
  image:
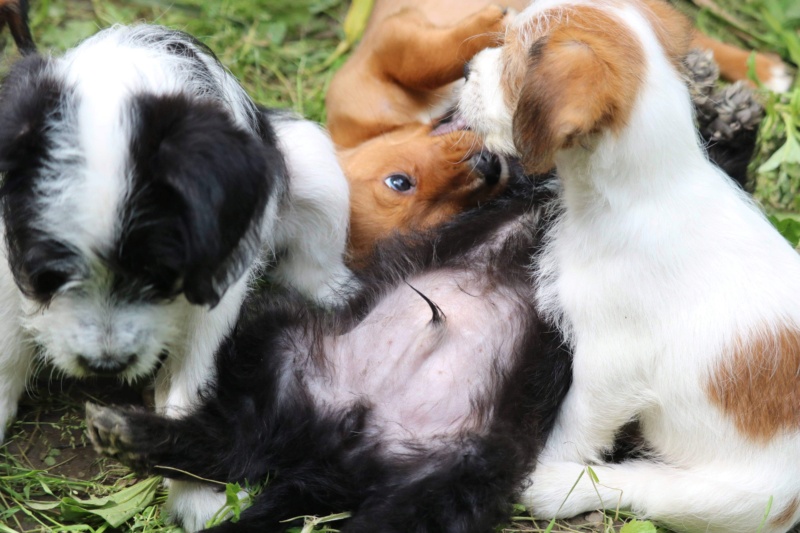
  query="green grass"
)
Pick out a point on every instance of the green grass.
point(279, 50)
point(771, 26)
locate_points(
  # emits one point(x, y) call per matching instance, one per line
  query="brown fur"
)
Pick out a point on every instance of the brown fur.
point(411, 51)
point(733, 61)
point(401, 69)
point(787, 514)
point(439, 167)
point(14, 13)
point(582, 77)
point(674, 31)
point(759, 385)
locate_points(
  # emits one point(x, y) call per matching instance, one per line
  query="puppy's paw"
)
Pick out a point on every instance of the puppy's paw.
point(510, 15)
point(493, 18)
point(111, 435)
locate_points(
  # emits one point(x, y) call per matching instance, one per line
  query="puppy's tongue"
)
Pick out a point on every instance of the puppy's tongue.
point(456, 123)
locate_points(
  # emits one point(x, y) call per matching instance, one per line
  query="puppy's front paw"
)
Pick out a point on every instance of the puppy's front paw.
point(494, 18)
point(510, 13)
point(111, 435)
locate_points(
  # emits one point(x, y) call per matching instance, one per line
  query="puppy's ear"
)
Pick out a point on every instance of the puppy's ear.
point(582, 78)
point(200, 188)
point(29, 99)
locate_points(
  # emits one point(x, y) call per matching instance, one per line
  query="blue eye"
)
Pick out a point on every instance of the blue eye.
point(399, 183)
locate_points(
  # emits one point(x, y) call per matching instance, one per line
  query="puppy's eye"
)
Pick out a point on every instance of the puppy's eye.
point(48, 281)
point(399, 183)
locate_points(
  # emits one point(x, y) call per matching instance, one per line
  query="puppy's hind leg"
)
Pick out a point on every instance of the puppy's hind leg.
point(715, 498)
point(468, 489)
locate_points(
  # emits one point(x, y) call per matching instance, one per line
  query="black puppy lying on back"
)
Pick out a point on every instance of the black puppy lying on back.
point(420, 407)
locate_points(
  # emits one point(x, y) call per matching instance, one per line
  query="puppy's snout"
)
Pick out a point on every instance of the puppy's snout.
point(107, 364)
point(466, 70)
point(490, 166)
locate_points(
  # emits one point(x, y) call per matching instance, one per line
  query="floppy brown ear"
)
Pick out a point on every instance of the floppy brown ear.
point(582, 78)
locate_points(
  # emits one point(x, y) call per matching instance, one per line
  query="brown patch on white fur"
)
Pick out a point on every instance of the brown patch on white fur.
point(759, 385)
point(785, 517)
point(515, 64)
point(582, 77)
point(440, 168)
point(673, 30)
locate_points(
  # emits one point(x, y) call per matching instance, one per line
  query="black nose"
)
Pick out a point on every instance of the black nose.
point(466, 70)
point(489, 166)
point(106, 364)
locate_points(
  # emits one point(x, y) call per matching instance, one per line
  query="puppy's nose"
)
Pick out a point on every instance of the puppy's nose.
point(490, 167)
point(466, 70)
point(106, 364)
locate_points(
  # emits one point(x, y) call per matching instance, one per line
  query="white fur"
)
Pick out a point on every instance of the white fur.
point(780, 80)
point(656, 266)
point(482, 97)
point(309, 222)
point(314, 222)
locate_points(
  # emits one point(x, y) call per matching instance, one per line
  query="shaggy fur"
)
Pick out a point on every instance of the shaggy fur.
point(418, 407)
point(142, 190)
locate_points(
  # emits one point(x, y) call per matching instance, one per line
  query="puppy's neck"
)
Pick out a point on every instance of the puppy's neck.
point(657, 156)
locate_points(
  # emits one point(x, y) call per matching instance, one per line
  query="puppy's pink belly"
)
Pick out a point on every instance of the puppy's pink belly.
point(423, 379)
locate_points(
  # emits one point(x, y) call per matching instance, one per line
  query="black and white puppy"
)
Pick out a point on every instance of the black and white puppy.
point(419, 407)
point(142, 190)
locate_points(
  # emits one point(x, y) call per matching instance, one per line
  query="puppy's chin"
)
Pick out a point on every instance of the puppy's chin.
point(91, 337)
point(482, 104)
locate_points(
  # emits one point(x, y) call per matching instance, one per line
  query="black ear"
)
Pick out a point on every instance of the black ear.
point(29, 97)
point(30, 104)
point(200, 188)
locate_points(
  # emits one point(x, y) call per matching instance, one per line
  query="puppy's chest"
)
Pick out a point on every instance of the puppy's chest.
point(424, 376)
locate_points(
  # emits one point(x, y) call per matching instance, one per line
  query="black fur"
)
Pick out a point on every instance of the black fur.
point(256, 423)
point(193, 213)
point(200, 185)
point(733, 155)
point(29, 99)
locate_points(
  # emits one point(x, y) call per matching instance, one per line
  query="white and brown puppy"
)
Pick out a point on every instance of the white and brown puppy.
point(142, 190)
point(680, 300)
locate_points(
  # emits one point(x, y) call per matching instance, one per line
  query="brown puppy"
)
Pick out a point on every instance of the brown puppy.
point(384, 103)
point(409, 178)
point(383, 106)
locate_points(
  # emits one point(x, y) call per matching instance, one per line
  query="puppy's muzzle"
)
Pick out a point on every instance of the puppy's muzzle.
point(107, 364)
point(490, 166)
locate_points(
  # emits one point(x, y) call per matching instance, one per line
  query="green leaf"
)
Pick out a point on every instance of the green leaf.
point(114, 509)
point(232, 500)
point(42, 506)
point(276, 32)
point(788, 153)
point(787, 225)
point(638, 526)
